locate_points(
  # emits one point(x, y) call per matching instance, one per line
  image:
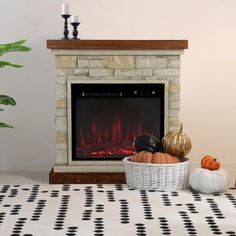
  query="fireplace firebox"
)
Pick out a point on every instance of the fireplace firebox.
point(105, 118)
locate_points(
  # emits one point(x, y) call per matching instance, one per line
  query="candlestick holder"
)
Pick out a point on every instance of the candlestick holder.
point(66, 31)
point(75, 31)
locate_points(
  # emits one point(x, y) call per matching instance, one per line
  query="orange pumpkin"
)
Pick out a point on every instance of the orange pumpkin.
point(209, 162)
point(142, 157)
point(164, 158)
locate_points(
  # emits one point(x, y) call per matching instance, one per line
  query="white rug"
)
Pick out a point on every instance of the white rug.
point(112, 210)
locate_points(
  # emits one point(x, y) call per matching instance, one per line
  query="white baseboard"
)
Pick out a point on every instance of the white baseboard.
point(25, 166)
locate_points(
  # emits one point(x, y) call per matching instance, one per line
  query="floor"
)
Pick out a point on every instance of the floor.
point(103, 210)
point(29, 206)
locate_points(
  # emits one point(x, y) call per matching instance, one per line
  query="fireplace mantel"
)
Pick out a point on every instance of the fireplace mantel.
point(118, 44)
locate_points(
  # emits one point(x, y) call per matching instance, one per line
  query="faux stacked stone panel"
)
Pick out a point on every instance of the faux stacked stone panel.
point(109, 67)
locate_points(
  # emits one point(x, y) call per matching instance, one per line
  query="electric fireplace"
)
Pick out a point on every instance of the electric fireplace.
point(108, 92)
point(105, 117)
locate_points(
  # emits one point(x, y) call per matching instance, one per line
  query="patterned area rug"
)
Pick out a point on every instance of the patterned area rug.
point(110, 210)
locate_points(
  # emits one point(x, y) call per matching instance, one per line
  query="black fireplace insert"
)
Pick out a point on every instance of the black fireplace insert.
point(106, 118)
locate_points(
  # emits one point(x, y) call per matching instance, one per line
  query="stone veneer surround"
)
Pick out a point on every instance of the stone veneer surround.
point(109, 65)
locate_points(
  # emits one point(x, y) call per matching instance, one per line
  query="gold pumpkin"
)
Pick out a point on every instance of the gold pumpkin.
point(176, 143)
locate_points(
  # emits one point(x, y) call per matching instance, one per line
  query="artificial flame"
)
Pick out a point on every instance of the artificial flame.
point(102, 142)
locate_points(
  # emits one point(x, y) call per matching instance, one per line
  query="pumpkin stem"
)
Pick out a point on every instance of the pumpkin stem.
point(181, 128)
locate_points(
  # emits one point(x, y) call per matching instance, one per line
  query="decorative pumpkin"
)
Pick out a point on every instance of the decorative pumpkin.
point(176, 143)
point(146, 142)
point(164, 158)
point(142, 157)
point(209, 181)
point(209, 162)
point(156, 158)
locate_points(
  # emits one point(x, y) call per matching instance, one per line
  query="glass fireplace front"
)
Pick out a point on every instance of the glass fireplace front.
point(106, 118)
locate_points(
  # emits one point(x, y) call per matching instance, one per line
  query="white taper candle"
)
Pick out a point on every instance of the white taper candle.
point(74, 19)
point(65, 9)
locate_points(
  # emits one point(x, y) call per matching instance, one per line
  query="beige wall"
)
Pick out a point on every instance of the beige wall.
point(208, 69)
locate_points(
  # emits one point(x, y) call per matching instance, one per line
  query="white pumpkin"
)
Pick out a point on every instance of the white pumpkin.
point(209, 181)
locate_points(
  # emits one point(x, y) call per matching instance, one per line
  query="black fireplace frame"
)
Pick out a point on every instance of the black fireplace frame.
point(121, 89)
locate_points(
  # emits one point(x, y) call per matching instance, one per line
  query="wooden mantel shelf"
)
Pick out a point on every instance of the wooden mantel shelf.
point(118, 44)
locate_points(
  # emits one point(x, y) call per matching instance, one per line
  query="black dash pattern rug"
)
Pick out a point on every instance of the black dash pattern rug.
point(113, 210)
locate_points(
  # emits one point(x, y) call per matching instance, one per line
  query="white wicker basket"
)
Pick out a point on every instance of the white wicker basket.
point(167, 177)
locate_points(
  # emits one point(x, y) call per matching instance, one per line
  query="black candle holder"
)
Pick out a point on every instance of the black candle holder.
point(75, 31)
point(66, 31)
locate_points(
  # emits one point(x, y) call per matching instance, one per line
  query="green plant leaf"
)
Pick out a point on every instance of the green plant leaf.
point(4, 48)
point(14, 47)
point(5, 63)
point(6, 100)
point(4, 125)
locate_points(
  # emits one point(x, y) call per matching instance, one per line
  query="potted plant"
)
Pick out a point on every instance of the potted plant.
point(6, 48)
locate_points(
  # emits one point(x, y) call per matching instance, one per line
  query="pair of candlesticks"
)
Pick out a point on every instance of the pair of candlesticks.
point(66, 31)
